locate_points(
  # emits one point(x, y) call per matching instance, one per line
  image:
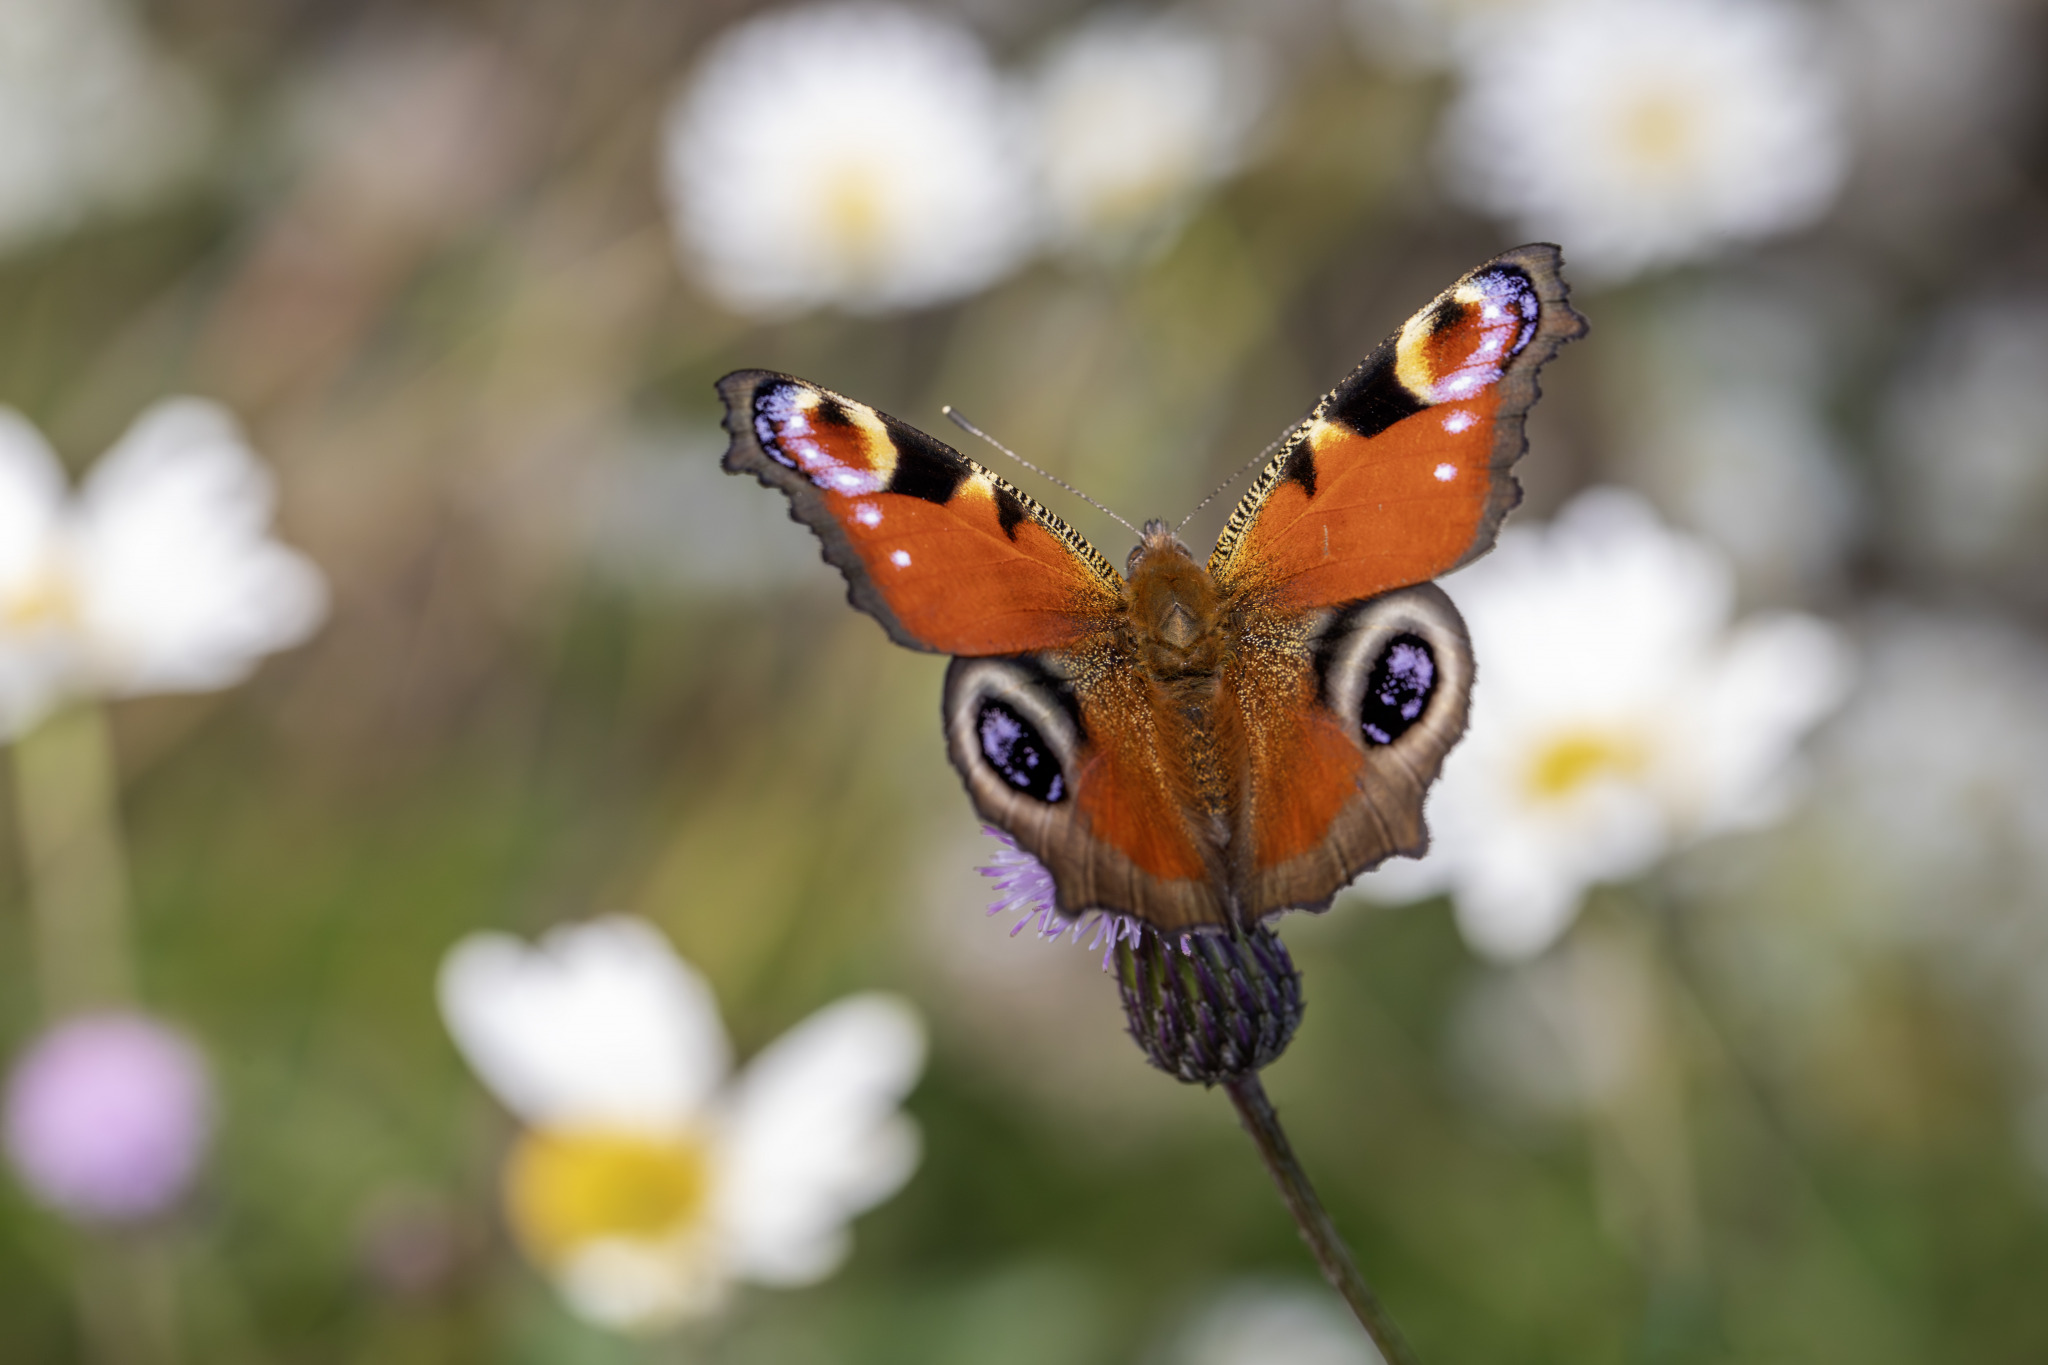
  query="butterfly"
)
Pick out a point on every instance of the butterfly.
point(1198, 745)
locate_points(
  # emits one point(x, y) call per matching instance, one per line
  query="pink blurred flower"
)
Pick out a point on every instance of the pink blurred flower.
point(108, 1116)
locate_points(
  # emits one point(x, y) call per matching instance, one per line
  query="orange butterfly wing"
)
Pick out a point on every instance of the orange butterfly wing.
point(1402, 472)
point(950, 557)
point(1342, 740)
point(945, 554)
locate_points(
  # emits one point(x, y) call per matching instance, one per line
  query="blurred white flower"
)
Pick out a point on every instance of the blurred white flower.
point(1966, 442)
point(159, 576)
point(1722, 396)
point(648, 1179)
point(1935, 782)
point(1136, 116)
point(847, 154)
point(90, 118)
point(1260, 1322)
point(1617, 716)
point(1644, 134)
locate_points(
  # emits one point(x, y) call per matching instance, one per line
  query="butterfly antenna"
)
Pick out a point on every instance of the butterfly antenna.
point(1237, 474)
point(973, 430)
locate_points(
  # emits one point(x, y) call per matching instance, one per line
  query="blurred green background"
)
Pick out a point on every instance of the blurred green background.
point(570, 668)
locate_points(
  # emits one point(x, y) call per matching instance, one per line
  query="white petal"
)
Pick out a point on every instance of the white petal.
point(31, 497)
point(1134, 117)
point(815, 1136)
point(1401, 881)
point(1644, 134)
point(1510, 909)
point(641, 1286)
point(37, 650)
point(1778, 676)
point(183, 587)
point(600, 1024)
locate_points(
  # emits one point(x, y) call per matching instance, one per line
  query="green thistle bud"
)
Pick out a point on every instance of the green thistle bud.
point(1207, 1007)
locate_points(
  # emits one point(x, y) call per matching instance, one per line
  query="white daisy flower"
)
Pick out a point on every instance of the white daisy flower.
point(854, 155)
point(1617, 716)
point(648, 1178)
point(159, 576)
point(1134, 118)
point(90, 118)
point(1645, 134)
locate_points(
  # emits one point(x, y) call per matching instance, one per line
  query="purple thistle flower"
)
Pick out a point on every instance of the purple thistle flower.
point(1022, 883)
point(108, 1116)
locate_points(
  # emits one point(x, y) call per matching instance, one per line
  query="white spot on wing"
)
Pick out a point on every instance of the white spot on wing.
point(900, 558)
point(1446, 472)
point(1459, 419)
point(867, 514)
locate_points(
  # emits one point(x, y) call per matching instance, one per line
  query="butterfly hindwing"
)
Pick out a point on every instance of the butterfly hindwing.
point(1076, 761)
point(1344, 734)
point(1402, 472)
point(945, 554)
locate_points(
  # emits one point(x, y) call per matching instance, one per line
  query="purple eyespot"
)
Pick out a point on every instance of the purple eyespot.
point(1015, 749)
point(1398, 692)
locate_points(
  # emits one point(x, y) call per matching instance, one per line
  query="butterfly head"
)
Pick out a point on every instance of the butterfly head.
point(1154, 540)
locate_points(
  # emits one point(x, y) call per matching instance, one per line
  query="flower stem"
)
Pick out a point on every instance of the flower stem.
point(65, 804)
point(67, 808)
point(1256, 1112)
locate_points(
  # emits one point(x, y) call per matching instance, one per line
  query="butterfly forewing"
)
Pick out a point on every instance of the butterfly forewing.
point(945, 554)
point(1402, 472)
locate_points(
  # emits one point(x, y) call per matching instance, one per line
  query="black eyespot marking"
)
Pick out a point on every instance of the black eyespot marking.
point(1301, 467)
point(1373, 398)
point(1009, 512)
point(1398, 691)
point(830, 412)
point(1014, 748)
point(924, 468)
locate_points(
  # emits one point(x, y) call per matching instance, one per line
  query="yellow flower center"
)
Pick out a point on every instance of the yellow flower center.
point(1573, 759)
point(854, 211)
point(564, 1190)
point(1658, 132)
point(44, 600)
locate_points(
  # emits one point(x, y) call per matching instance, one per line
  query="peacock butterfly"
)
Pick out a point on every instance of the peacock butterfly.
point(1198, 746)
